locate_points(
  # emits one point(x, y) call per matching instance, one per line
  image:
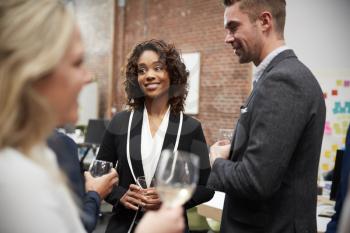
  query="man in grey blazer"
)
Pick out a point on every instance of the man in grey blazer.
point(269, 172)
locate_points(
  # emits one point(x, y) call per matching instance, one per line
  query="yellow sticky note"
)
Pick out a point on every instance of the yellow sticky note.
point(337, 128)
point(327, 154)
point(340, 83)
point(325, 167)
point(345, 125)
point(334, 147)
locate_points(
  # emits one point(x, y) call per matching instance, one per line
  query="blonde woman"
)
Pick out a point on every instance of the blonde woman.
point(40, 78)
point(41, 74)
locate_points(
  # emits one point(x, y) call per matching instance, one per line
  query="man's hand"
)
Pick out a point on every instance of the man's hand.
point(220, 149)
point(103, 185)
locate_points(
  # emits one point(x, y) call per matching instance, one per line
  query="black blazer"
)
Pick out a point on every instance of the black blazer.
point(271, 180)
point(113, 148)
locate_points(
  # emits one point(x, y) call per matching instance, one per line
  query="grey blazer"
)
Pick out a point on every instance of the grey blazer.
point(270, 180)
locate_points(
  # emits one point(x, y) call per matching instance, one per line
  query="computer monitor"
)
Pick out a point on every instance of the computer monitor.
point(93, 138)
point(95, 131)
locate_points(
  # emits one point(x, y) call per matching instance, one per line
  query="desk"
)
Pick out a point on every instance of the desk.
point(213, 209)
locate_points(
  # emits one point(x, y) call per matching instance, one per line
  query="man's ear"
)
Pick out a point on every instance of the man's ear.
point(265, 20)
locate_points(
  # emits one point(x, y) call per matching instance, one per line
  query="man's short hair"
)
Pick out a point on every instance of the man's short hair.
point(253, 8)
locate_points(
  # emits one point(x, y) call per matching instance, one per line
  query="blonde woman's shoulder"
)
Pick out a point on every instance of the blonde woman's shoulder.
point(31, 196)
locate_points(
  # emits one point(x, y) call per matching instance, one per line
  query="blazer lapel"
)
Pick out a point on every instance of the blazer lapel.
point(280, 57)
point(231, 157)
point(135, 143)
point(283, 55)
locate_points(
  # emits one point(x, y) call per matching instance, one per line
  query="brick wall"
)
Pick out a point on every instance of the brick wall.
point(194, 26)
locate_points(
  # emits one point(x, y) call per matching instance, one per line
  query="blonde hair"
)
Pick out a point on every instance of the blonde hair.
point(34, 35)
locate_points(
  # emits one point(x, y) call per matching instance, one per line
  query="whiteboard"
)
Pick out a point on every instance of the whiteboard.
point(192, 62)
point(88, 103)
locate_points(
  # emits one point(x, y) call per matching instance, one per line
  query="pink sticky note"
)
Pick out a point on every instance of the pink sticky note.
point(328, 128)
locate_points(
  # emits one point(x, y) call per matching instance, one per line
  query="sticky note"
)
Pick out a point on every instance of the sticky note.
point(347, 83)
point(325, 167)
point(328, 128)
point(334, 147)
point(339, 83)
point(327, 154)
point(347, 107)
point(337, 129)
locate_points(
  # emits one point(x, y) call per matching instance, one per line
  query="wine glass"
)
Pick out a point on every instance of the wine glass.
point(225, 134)
point(141, 181)
point(100, 167)
point(176, 177)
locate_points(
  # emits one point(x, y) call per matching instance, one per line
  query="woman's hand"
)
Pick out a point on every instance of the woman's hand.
point(153, 201)
point(133, 198)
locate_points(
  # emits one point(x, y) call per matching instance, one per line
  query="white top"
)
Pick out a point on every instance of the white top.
point(33, 199)
point(151, 147)
point(262, 66)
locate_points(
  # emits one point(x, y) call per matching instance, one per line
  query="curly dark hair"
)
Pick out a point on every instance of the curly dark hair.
point(178, 74)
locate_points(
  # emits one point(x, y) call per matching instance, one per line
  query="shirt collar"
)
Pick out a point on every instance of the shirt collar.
point(262, 66)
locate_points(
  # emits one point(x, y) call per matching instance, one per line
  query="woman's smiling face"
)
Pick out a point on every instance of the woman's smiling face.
point(152, 76)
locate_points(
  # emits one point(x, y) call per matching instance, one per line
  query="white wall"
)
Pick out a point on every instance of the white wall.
point(318, 31)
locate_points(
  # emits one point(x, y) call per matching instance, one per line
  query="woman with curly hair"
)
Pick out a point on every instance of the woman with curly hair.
point(156, 88)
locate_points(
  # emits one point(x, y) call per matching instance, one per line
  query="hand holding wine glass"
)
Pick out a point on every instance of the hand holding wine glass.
point(100, 167)
point(133, 198)
point(152, 201)
point(101, 178)
point(225, 135)
point(176, 177)
point(220, 149)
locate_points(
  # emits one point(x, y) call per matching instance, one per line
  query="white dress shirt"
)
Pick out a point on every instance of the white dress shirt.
point(267, 60)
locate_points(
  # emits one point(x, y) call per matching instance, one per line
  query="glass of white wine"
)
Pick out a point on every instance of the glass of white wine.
point(100, 167)
point(176, 177)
